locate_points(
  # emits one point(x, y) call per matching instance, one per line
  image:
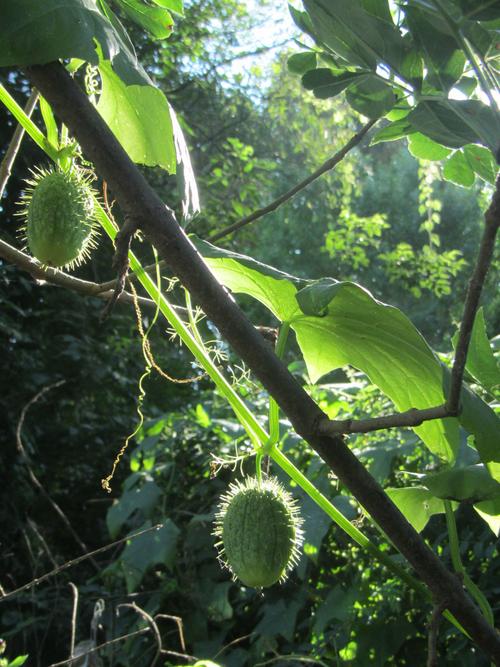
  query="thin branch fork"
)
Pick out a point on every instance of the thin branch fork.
point(158, 224)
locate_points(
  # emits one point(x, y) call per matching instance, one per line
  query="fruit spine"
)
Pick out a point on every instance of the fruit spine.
point(260, 533)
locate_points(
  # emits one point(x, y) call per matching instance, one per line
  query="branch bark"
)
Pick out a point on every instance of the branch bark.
point(61, 279)
point(330, 164)
point(157, 222)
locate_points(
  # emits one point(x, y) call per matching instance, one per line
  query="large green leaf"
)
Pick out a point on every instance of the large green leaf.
point(139, 116)
point(455, 123)
point(346, 325)
point(274, 289)
point(417, 504)
point(481, 161)
point(300, 63)
point(471, 483)
point(443, 57)
point(341, 323)
point(458, 170)
point(481, 361)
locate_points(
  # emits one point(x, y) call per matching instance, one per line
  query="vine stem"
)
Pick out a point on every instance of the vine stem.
point(13, 148)
point(458, 566)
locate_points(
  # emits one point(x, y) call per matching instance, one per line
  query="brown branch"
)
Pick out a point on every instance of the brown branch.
point(491, 225)
point(34, 479)
point(101, 646)
point(411, 417)
point(61, 279)
point(178, 621)
point(15, 143)
point(75, 561)
point(330, 164)
point(159, 226)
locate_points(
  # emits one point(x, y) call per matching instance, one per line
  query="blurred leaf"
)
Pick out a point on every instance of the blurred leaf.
point(175, 6)
point(300, 63)
point(396, 130)
point(443, 57)
point(481, 362)
point(417, 504)
point(424, 148)
point(371, 97)
point(482, 161)
point(455, 123)
point(457, 170)
point(185, 173)
point(473, 483)
point(326, 84)
point(214, 598)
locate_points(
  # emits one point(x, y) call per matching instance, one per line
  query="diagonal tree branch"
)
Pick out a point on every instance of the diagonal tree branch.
point(157, 222)
point(330, 164)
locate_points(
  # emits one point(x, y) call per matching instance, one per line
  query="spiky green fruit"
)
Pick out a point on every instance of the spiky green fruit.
point(260, 530)
point(59, 217)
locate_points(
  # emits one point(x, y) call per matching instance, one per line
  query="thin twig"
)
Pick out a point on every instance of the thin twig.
point(432, 658)
point(34, 479)
point(152, 626)
point(101, 646)
point(295, 657)
point(74, 616)
point(76, 561)
point(238, 640)
point(15, 143)
point(178, 622)
point(411, 417)
point(491, 225)
point(330, 164)
point(123, 241)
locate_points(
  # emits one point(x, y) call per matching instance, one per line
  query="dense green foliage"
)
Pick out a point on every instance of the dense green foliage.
point(385, 219)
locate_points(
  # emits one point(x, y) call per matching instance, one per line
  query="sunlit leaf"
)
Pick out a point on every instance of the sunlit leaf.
point(457, 170)
point(417, 504)
point(139, 116)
